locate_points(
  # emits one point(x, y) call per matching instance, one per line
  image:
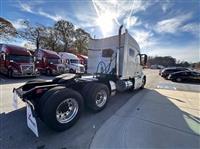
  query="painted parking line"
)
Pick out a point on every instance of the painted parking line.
point(179, 86)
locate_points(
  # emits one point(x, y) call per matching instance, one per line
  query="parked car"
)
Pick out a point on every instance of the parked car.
point(157, 67)
point(185, 76)
point(16, 61)
point(49, 62)
point(72, 62)
point(166, 71)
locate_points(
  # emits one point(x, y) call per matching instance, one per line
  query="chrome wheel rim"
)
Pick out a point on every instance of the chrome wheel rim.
point(67, 110)
point(101, 98)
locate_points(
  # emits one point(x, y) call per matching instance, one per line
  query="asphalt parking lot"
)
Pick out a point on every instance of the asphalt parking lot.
point(132, 119)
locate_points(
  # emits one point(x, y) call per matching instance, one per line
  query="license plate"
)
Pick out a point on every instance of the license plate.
point(31, 120)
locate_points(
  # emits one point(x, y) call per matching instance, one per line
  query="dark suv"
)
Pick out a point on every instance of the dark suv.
point(165, 72)
point(185, 76)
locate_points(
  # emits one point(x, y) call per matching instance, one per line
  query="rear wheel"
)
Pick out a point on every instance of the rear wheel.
point(62, 109)
point(96, 96)
point(45, 97)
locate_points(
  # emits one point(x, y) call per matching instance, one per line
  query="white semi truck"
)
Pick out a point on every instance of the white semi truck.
point(72, 62)
point(114, 65)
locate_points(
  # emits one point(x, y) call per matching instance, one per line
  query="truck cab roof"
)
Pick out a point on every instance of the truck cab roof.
point(49, 53)
point(66, 55)
point(15, 50)
point(82, 56)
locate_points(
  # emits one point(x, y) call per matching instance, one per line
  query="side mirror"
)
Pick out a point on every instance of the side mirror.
point(143, 59)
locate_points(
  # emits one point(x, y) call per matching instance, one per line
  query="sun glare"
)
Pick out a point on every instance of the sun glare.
point(106, 22)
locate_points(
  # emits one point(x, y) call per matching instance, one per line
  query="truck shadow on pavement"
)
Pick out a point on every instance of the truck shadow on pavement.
point(15, 134)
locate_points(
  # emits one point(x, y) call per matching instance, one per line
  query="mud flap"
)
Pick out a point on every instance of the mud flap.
point(31, 119)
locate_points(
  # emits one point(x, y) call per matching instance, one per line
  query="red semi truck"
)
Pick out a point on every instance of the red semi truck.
point(16, 61)
point(49, 62)
point(83, 60)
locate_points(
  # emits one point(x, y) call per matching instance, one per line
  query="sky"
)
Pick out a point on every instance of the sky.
point(161, 27)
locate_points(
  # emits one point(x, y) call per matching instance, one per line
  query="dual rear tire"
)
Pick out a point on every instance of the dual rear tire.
point(96, 96)
point(60, 108)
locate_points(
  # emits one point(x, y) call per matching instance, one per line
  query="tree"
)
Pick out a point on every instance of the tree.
point(166, 61)
point(66, 33)
point(182, 64)
point(81, 40)
point(50, 40)
point(7, 30)
point(196, 65)
point(29, 46)
point(33, 34)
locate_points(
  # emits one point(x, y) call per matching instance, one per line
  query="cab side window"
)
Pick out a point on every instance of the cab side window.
point(195, 74)
point(107, 53)
point(38, 56)
point(131, 52)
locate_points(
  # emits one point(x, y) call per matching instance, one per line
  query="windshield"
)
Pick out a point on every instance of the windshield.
point(21, 58)
point(54, 60)
point(74, 61)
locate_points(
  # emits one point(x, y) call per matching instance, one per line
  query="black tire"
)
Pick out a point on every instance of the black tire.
point(50, 106)
point(10, 73)
point(143, 82)
point(90, 92)
point(41, 102)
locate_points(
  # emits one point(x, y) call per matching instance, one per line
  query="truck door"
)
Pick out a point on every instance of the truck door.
point(131, 63)
point(138, 65)
point(39, 60)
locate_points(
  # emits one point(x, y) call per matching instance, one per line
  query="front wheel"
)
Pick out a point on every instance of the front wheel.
point(143, 82)
point(62, 109)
